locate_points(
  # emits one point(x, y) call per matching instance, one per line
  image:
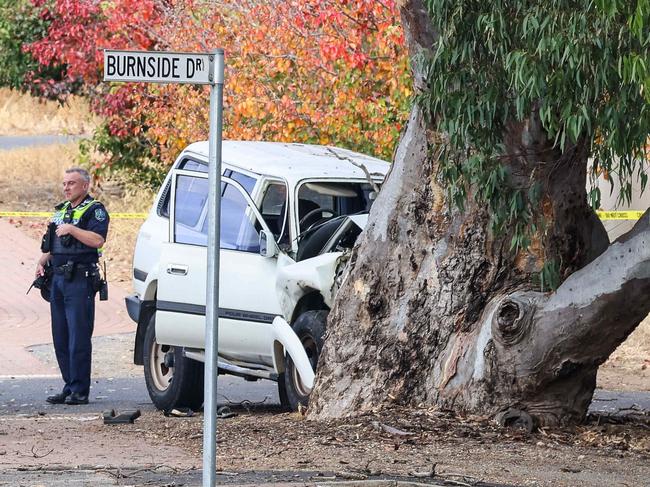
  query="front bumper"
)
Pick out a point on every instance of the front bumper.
point(133, 307)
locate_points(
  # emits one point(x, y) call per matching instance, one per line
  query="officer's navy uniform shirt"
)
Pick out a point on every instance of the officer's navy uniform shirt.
point(95, 219)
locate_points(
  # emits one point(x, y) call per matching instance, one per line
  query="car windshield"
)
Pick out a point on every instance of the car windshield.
point(319, 201)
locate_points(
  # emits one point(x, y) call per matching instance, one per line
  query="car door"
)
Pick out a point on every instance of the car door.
point(247, 297)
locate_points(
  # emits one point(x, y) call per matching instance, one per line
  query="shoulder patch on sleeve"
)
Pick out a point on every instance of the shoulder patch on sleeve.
point(100, 214)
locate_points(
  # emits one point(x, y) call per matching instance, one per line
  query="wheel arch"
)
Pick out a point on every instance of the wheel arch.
point(312, 301)
point(151, 290)
point(309, 330)
point(147, 310)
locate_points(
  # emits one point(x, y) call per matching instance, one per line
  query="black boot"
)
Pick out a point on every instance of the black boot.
point(76, 399)
point(58, 398)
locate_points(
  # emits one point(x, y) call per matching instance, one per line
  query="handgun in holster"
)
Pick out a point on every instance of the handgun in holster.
point(98, 283)
point(101, 284)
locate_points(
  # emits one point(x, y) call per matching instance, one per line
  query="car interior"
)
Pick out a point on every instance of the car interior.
point(322, 207)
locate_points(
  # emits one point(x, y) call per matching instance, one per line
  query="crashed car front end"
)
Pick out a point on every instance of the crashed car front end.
point(322, 273)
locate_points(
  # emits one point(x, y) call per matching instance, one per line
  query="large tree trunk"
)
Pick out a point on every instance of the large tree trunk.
point(437, 310)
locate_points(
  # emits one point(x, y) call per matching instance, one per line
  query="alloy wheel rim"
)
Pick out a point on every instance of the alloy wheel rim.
point(160, 373)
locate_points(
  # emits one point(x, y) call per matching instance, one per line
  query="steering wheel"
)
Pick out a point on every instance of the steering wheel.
point(324, 215)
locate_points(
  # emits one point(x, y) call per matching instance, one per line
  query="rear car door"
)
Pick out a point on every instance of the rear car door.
point(247, 297)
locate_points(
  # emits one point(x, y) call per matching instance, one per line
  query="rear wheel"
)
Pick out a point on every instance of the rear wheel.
point(172, 379)
point(310, 328)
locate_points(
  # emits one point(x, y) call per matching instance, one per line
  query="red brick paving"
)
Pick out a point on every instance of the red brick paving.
point(25, 319)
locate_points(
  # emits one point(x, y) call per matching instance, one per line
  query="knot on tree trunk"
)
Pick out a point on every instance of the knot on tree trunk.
point(512, 320)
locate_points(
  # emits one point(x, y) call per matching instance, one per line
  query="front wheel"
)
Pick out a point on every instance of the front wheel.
point(172, 379)
point(310, 328)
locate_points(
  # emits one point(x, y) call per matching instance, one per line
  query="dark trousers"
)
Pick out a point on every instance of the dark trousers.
point(72, 305)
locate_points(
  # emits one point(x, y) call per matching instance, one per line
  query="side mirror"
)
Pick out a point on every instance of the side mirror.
point(268, 247)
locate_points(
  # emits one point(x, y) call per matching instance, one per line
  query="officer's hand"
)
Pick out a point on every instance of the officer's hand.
point(40, 264)
point(64, 229)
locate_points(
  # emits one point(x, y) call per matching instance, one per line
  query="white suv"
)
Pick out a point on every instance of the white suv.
point(288, 213)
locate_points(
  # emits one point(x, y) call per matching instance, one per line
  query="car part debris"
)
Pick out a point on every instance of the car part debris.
point(125, 417)
point(179, 412)
point(225, 412)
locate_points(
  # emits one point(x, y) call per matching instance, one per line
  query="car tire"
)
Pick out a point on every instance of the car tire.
point(310, 328)
point(175, 384)
point(282, 393)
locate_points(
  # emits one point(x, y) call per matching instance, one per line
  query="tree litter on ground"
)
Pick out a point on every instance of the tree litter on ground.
point(415, 442)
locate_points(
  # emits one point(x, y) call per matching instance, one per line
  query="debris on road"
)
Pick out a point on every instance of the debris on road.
point(126, 417)
point(179, 412)
point(224, 412)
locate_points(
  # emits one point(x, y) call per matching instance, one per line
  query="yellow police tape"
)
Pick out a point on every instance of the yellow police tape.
point(620, 215)
point(603, 215)
point(45, 214)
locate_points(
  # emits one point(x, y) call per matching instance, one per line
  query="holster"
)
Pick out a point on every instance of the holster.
point(103, 290)
point(100, 285)
point(68, 270)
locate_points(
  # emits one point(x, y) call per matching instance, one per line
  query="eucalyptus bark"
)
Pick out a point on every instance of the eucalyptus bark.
point(437, 310)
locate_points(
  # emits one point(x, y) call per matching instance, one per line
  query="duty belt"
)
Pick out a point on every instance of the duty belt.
point(62, 269)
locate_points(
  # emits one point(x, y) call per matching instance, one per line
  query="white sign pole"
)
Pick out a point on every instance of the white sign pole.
point(212, 301)
point(191, 68)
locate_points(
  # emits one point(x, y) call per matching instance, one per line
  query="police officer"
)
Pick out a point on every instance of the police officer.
point(75, 235)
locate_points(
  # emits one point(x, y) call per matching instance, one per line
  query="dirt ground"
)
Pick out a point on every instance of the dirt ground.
point(416, 442)
point(423, 444)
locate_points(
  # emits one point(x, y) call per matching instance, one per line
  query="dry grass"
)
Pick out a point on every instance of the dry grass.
point(628, 368)
point(636, 347)
point(24, 115)
point(31, 177)
point(123, 232)
point(31, 181)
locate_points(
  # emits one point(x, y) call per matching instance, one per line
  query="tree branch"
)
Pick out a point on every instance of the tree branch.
point(361, 166)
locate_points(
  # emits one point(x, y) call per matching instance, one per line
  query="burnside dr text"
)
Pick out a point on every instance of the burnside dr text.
point(151, 67)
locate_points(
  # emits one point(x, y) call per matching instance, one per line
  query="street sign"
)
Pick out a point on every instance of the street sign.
point(159, 67)
point(179, 67)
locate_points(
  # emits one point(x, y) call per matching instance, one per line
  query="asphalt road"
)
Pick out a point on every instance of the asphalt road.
point(620, 402)
point(26, 395)
point(8, 142)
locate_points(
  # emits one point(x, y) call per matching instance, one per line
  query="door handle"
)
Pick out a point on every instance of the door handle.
point(177, 269)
